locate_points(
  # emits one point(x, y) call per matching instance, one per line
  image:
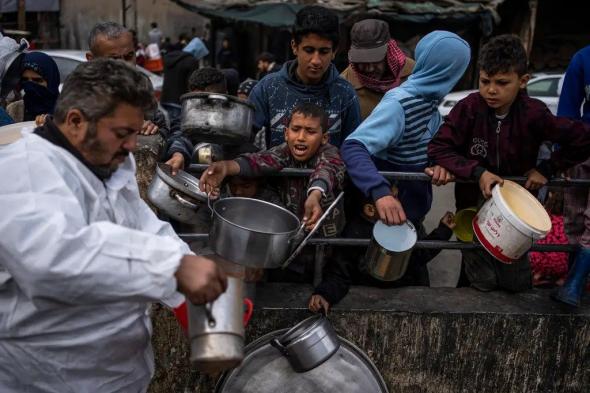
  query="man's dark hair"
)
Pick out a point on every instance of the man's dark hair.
point(266, 57)
point(503, 53)
point(206, 77)
point(315, 19)
point(308, 109)
point(154, 25)
point(110, 30)
point(97, 87)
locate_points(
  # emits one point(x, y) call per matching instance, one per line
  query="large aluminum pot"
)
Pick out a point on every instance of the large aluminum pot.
point(177, 195)
point(309, 343)
point(251, 232)
point(390, 250)
point(216, 330)
point(216, 118)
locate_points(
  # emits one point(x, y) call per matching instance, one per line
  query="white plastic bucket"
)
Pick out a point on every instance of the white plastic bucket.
point(510, 221)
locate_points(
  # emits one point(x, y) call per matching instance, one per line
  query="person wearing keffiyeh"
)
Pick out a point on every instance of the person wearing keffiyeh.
point(377, 64)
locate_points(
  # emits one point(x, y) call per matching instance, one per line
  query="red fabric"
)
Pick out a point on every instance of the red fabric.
point(182, 316)
point(396, 59)
point(551, 266)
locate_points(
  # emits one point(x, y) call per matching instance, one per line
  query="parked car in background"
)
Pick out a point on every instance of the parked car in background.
point(68, 60)
point(545, 87)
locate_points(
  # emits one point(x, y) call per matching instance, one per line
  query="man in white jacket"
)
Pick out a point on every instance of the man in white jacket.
point(81, 255)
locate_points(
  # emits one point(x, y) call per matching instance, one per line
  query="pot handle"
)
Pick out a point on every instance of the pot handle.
point(218, 97)
point(249, 310)
point(209, 313)
point(277, 344)
point(184, 202)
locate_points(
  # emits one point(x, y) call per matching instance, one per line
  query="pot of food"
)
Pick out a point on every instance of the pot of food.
point(390, 250)
point(309, 343)
point(177, 195)
point(216, 329)
point(251, 232)
point(216, 118)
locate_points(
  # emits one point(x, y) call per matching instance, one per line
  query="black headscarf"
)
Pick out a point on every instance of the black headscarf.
point(39, 99)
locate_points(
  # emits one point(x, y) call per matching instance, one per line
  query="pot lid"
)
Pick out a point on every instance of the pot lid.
point(265, 370)
point(396, 238)
point(181, 182)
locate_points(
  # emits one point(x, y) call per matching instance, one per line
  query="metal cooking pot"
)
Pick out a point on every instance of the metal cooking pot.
point(390, 250)
point(216, 329)
point(251, 232)
point(309, 343)
point(207, 153)
point(177, 195)
point(217, 118)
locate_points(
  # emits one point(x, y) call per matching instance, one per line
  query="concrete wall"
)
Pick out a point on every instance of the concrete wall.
point(79, 16)
point(422, 340)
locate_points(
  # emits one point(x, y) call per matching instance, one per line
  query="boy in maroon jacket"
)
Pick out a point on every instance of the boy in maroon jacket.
point(497, 132)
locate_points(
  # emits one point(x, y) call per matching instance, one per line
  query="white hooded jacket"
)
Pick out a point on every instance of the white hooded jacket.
point(81, 262)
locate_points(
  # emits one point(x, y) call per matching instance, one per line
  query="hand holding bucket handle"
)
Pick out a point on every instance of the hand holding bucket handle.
point(487, 181)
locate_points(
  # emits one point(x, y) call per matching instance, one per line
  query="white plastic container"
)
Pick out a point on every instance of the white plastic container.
point(510, 221)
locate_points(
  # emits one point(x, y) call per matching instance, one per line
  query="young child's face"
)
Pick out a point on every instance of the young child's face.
point(500, 90)
point(244, 188)
point(304, 136)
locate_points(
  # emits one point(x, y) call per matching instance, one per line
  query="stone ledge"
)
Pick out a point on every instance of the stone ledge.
point(423, 339)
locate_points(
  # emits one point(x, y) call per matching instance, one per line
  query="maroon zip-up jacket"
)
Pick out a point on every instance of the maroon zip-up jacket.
point(472, 140)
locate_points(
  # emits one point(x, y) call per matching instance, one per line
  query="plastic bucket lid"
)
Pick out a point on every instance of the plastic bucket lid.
point(396, 238)
point(463, 224)
point(522, 209)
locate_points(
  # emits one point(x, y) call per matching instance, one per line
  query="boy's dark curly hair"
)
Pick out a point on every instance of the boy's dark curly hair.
point(206, 77)
point(503, 53)
point(315, 19)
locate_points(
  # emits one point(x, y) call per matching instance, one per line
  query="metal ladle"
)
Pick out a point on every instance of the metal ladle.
point(312, 232)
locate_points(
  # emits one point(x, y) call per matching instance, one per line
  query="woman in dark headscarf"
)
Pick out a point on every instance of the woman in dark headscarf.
point(40, 81)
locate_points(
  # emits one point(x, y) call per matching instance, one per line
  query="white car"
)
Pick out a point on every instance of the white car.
point(67, 60)
point(545, 87)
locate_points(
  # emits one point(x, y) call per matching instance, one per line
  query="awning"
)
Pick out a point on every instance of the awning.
point(269, 14)
point(280, 14)
point(30, 5)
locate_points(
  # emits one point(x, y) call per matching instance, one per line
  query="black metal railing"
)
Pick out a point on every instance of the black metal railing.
point(320, 243)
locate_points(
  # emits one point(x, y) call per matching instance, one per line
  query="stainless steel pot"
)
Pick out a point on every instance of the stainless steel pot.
point(390, 250)
point(206, 153)
point(216, 330)
point(252, 232)
point(309, 343)
point(216, 118)
point(177, 195)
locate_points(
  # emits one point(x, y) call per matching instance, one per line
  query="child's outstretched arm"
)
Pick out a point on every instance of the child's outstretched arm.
point(573, 138)
point(382, 129)
point(212, 178)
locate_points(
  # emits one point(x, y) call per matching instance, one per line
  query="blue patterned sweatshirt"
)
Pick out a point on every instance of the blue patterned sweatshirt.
point(276, 95)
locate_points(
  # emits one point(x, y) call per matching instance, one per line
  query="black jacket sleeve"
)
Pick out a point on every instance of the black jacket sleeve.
point(422, 256)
